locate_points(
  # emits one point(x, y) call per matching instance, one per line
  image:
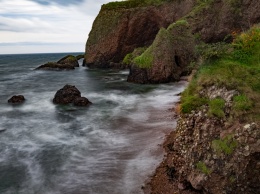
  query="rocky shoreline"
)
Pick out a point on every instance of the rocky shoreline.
point(204, 150)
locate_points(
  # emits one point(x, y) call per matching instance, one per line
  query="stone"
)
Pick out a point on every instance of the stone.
point(16, 99)
point(81, 101)
point(66, 95)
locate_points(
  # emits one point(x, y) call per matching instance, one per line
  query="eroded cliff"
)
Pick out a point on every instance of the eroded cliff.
point(119, 29)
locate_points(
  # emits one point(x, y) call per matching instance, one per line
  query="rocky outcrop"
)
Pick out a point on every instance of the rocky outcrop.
point(66, 63)
point(167, 58)
point(211, 154)
point(70, 94)
point(16, 99)
point(118, 31)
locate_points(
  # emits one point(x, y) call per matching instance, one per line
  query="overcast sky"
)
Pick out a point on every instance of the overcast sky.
point(40, 26)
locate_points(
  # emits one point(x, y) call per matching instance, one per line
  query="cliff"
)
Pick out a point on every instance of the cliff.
point(121, 27)
point(215, 147)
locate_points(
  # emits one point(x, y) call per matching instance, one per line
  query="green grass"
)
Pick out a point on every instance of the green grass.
point(145, 59)
point(216, 107)
point(203, 168)
point(232, 71)
point(226, 145)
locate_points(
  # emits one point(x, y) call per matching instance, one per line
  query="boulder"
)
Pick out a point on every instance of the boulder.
point(16, 99)
point(70, 94)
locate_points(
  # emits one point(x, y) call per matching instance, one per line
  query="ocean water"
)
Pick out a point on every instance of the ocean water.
point(110, 147)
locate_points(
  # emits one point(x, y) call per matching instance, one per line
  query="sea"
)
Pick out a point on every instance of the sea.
point(110, 147)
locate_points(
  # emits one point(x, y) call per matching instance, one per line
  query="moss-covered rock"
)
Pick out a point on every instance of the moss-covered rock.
point(168, 56)
point(68, 62)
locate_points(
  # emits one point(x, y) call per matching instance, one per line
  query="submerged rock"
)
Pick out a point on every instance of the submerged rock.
point(66, 63)
point(70, 94)
point(16, 99)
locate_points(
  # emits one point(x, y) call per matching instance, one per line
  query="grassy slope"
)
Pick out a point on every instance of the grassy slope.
point(234, 66)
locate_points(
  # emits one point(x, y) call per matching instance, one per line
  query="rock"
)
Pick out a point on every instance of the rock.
point(69, 60)
point(70, 94)
point(167, 59)
point(118, 31)
point(197, 180)
point(66, 63)
point(2, 130)
point(66, 95)
point(81, 101)
point(55, 66)
point(78, 57)
point(16, 99)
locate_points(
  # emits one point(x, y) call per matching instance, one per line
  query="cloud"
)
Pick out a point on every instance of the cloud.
point(50, 21)
point(62, 2)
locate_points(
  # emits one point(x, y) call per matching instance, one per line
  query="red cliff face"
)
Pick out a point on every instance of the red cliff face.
point(117, 32)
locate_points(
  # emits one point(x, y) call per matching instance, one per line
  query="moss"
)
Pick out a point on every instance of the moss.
point(128, 59)
point(203, 168)
point(145, 59)
point(216, 108)
point(226, 145)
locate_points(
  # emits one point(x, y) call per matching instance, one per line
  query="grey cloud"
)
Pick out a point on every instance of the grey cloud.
point(61, 2)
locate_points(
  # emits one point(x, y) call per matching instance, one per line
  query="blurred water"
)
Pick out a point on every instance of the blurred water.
point(109, 147)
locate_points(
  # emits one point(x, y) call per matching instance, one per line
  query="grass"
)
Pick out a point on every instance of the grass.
point(216, 107)
point(237, 69)
point(203, 168)
point(226, 145)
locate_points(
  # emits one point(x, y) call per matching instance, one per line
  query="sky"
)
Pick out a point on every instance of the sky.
point(46, 26)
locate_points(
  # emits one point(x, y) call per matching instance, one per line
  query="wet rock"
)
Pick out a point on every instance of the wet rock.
point(70, 94)
point(66, 95)
point(81, 101)
point(16, 99)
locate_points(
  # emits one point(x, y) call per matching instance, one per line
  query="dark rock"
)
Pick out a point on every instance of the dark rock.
point(66, 63)
point(55, 66)
point(66, 95)
point(2, 130)
point(78, 57)
point(81, 101)
point(17, 99)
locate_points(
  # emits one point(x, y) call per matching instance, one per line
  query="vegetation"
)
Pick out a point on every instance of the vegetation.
point(128, 59)
point(237, 68)
point(132, 4)
point(216, 107)
point(145, 59)
point(203, 168)
point(226, 145)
